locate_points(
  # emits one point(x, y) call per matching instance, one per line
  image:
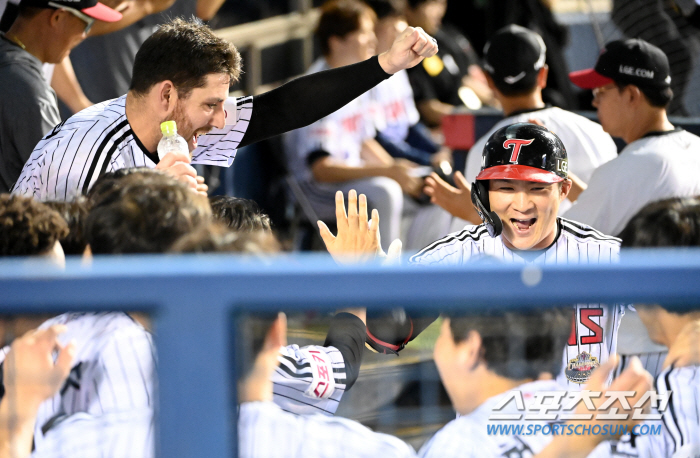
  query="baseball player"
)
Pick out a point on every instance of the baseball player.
point(522, 182)
point(631, 86)
point(265, 430)
point(482, 361)
point(514, 60)
point(109, 389)
point(124, 132)
point(668, 223)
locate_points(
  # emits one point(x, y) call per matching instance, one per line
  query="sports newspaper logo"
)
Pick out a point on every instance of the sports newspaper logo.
point(561, 405)
point(572, 430)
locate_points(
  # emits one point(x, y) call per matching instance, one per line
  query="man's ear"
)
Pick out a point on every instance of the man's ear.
point(167, 96)
point(565, 189)
point(470, 351)
point(542, 77)
point(55, 17)
point(632, 94)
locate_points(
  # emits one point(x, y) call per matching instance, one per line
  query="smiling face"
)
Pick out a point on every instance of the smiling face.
point(202, 109)
point(528, 211)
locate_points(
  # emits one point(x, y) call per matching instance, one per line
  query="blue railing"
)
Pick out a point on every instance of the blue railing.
point(193, 299)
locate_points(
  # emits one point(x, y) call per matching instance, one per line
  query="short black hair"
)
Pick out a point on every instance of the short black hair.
point(144, 213)
point(28, 227)
point(239, 214)
point(518, 345)
point(666, 223)
point(184, 52)
point(340, 18)
point(659, 97)
point(74, 213)
point(215, 237)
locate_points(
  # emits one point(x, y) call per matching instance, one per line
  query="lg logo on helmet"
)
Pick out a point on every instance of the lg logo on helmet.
point(516, 143)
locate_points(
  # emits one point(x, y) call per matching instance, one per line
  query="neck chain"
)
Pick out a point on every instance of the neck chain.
point(15, 40)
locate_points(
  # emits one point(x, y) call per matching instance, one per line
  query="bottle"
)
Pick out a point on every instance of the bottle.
point(171, 141)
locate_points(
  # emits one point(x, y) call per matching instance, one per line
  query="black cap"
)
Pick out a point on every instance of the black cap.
point(91, 8)
point(514, 56)
point(632, 61)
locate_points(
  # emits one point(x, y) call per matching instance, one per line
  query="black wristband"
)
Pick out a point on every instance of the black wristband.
point(347, 334)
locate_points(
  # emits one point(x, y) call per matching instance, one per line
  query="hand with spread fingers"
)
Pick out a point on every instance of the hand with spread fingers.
point(358, 237)
point(456, 201)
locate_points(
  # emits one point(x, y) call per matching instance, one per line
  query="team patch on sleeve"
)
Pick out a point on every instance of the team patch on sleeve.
point(322, 384)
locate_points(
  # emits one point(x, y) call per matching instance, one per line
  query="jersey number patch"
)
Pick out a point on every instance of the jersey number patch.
point(596, 332)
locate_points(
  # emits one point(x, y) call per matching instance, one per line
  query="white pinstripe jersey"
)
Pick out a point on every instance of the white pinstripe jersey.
point(113, 372)
point(309, 380)
point(265, 431)
point(99, 139)
point(680, 436)
point(127, 434)
point(597, 324)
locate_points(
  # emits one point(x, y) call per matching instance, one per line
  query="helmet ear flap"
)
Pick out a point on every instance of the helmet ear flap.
point(480, 199)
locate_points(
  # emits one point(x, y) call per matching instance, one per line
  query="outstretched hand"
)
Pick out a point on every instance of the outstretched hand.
point(408, 50)
point(457, 201)
point(358, 237)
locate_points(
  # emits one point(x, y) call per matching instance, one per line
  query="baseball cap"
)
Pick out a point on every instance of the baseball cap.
point(632, 61)
point(91, 8)
point(514, 56)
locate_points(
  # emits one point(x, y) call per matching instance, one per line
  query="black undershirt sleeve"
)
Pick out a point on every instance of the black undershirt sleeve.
point(309, 98)
point(347, 333)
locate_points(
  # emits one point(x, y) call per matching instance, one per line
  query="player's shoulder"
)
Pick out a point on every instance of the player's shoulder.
point(449, 249)
point(97, 329)
point(583, 233)
point(462, 436)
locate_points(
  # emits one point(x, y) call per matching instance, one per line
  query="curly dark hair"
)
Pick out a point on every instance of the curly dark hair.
point(239, 214)
point(143, 213)
point(74, 213)
point(28, 227)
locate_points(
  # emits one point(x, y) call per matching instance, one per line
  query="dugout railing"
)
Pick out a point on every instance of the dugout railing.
point(193, 301)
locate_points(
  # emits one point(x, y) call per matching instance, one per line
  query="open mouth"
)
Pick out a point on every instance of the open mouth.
point(523, 224)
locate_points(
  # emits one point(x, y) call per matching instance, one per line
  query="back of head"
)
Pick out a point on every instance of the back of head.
point(340, 18)
point(74, 213)
point(183, 52)
point(239, 214)
point(666, 223)
point(144, 213)
point(513, 58)
point(217, 238)
point(518, 345)
point(28, 227)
